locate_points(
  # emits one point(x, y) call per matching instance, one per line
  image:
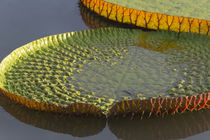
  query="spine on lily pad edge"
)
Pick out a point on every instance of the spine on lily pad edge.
point(141, 108)
point(149, 20)
point(160, 106)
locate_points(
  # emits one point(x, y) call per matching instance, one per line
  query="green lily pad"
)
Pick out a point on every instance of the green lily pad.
point(105, 66)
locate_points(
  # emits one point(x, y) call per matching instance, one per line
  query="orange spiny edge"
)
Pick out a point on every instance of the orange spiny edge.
point(160, 102)
point(94, 21)
point(152, 106)
point(147, 107)
point(160, 106)
point(72, 109)
point(208, 98)
point(156, 21)
point(177, 106)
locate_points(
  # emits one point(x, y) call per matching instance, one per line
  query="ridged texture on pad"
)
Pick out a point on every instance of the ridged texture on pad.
point(148, 19)
point(45, 79)
point(145, 107)
point(94, 71)
point(74, 109)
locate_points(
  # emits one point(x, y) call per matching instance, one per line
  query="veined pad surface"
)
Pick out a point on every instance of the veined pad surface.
point(103, 67)
point(188, 8)
point(178, 16)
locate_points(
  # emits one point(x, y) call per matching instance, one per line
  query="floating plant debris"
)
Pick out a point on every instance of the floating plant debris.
point(88, 72)
point(178, 16)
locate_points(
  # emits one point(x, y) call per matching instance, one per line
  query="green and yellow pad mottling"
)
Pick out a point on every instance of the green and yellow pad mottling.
point(178, 16)
point(100, 70)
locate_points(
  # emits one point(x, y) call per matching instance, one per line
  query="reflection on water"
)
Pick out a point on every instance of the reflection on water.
point(78, 126)
point(170, 127)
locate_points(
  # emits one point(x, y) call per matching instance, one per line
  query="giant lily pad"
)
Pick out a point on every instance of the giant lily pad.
point(110, 71)
point(178, 16)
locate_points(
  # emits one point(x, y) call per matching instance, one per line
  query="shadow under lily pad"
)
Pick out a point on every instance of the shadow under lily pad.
point(77, 126)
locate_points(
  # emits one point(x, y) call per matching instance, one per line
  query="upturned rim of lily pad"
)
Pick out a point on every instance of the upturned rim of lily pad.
point(147, 19)
point(144, 108)
point(77, 125)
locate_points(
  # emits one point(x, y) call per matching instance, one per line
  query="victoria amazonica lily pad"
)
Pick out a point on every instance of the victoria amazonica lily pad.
point(109, 72)
point(178, 16)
